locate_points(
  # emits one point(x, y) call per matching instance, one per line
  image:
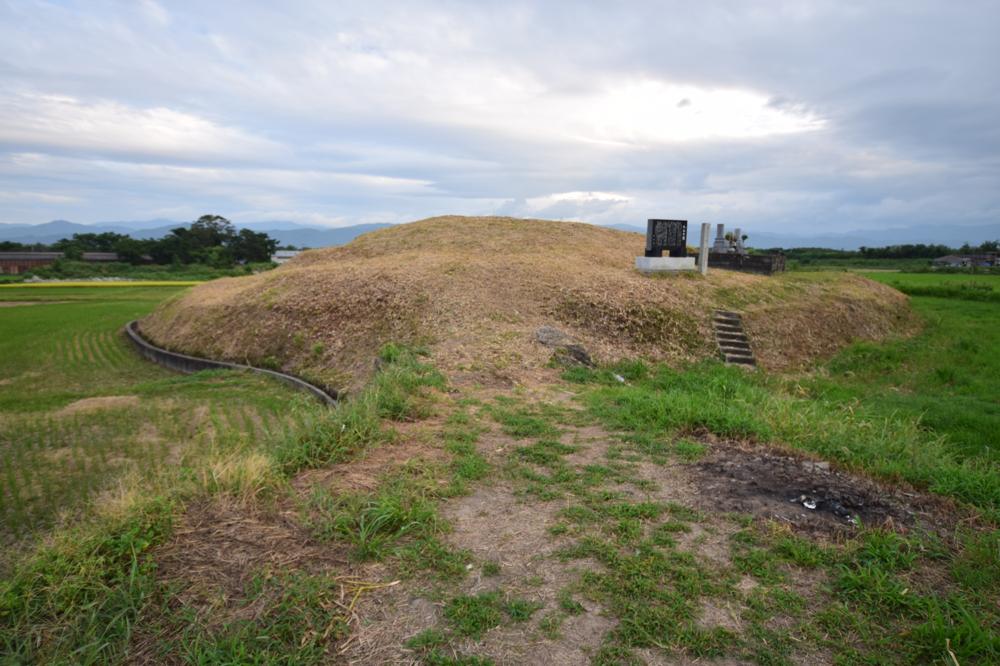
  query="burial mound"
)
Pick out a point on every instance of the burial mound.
point(476, 290)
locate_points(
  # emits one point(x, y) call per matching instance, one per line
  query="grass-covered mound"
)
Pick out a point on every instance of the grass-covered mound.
point(475, 289)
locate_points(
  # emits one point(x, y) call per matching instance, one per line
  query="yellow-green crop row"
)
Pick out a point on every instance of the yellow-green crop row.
point(84, 283)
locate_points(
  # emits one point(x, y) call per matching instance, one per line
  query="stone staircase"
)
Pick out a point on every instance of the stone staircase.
point(733, 343)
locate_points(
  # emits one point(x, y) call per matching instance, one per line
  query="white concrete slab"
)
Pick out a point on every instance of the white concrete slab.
point(664, 264)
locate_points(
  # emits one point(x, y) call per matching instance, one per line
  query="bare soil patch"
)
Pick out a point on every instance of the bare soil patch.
point(723, 613)
point(495, 525)
point(97, 404)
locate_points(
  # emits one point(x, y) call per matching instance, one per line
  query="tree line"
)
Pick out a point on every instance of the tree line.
point(908, 251)
point(920, 251)
point(211, 240)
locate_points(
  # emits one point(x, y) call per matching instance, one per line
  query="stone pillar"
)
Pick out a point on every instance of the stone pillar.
point(720, 239)
point(738, 241)
point(706, 234)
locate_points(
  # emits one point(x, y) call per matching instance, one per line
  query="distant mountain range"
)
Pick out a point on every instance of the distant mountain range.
point(286, 233)
point(292, 233)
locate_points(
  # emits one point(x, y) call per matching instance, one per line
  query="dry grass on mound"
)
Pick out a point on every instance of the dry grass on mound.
point(475, 289)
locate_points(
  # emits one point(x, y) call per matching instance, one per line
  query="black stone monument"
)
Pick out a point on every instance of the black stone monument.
point(670, 235)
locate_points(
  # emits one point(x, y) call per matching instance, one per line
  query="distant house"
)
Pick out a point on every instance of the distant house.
point(99, 256)
point(987, 260)
point(284, 256)
point(15, 263)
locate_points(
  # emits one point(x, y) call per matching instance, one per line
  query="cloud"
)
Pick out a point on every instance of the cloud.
point(568, 205)
point(647, 113)
point(155, 12)
point(228, 181)
point(64, 123)
point(819, 114)
point(38, 197)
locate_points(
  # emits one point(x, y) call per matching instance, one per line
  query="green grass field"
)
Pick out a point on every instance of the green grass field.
point(82, 270)
point(948, 376)
point(933, 279)
point(856, 263)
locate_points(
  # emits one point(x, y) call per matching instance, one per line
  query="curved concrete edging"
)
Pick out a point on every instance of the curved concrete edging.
point(188, 364)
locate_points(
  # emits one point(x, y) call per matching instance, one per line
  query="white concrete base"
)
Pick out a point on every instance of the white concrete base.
point(664, 264)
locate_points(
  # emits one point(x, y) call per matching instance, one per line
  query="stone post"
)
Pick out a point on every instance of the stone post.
point(738, 241)
point(720, 239)
point(706, 234)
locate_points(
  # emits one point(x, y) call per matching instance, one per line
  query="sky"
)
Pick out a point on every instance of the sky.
point(808, 117)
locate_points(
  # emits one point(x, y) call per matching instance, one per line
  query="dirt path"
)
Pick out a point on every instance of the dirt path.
point(501, 523)
point(522, 537)
point(497, 524)
point(525, 531)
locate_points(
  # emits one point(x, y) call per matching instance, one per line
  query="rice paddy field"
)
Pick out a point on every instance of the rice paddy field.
point(983, 287)
point(80, 411)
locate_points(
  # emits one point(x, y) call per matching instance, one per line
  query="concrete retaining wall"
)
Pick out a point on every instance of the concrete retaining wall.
point(189, 364)
point(766, 264)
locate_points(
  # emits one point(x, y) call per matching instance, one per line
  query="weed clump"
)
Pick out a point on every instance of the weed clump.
point(400, 391)
point(373, 524)
point(473, 616)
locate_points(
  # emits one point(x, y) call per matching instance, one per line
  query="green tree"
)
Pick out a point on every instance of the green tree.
point(132, 250)
point(253, 246)
point(174, 248)
point(212, 231)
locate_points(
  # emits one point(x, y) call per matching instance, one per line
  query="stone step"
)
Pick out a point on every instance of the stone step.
point(740, 360)
point(734, 346)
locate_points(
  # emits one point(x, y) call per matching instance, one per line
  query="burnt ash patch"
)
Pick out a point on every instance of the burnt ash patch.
point(779, 485)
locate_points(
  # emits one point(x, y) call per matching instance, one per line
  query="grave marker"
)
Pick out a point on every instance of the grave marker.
point(669, 235)
point(721, 244)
